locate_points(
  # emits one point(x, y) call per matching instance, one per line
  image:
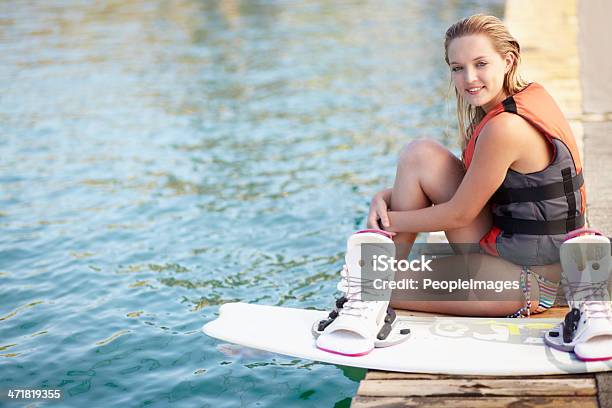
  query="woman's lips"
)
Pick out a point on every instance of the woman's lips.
point(475, 90)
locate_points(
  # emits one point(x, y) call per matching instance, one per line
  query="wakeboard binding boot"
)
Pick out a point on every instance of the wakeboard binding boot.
point(586, 330)
point(356, 326)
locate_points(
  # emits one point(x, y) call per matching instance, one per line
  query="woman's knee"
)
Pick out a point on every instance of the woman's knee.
point(438, 171)
point(417, 151)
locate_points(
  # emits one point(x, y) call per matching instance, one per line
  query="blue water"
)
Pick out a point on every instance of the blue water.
point(160, 158)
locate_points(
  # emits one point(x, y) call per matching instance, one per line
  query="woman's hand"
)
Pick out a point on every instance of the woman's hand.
point(378, 217)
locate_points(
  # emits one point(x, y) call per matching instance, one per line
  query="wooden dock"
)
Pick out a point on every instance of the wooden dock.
point(385, 389)
point(391, 389)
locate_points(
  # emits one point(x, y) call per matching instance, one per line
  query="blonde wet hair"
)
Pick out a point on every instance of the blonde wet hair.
point(469, 116)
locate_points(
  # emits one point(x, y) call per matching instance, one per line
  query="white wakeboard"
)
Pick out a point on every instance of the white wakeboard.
point(438, 345)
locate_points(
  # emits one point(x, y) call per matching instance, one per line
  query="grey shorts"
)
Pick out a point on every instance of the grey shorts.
point(529, 250)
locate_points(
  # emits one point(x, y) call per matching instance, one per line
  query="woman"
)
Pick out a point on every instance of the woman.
point(516, 191)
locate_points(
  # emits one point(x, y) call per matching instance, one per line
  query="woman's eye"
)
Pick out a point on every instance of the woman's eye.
point(455, 69)
point(481, 64)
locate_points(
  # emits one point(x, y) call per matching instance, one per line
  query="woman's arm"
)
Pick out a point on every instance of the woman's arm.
point(499, 145)
point(385, 195)
point(378, 214)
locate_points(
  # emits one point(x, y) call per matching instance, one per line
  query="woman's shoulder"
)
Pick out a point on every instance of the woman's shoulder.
point(507, 123)
point(509, 131)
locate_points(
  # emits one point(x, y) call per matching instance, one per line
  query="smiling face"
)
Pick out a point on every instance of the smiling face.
point(478, 71)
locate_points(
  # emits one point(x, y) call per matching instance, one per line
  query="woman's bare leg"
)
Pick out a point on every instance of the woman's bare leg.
point(429, 174)
point(479, 267)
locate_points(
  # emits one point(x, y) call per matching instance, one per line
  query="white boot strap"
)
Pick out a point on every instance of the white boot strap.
point(354, 324)
point(598, 309)
point(588, 292)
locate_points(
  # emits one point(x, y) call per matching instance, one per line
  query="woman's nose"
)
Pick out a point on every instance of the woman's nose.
point(470, 74)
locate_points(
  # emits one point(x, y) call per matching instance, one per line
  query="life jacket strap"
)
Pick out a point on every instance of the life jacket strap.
point(570, 223)
point(546, 192)
point(532, 227)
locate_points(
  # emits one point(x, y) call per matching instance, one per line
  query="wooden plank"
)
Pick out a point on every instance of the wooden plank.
point(552, 313)
point(392, 375)
point(478, 387)
point(490, 402)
